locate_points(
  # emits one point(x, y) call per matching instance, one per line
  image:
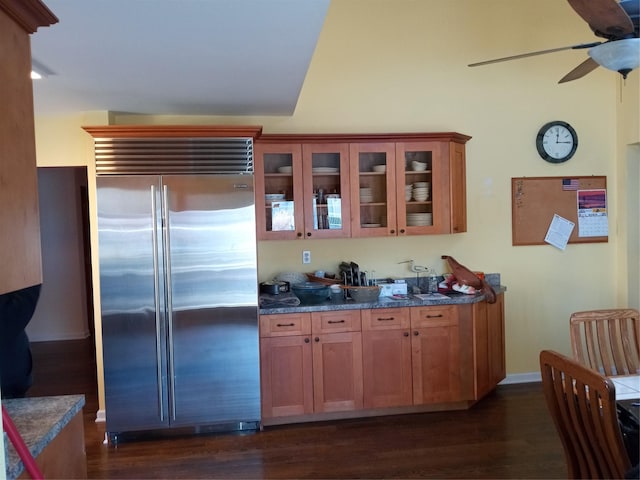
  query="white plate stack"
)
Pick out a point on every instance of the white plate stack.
point(421, 191)
point(366, 195)
point(419, 219)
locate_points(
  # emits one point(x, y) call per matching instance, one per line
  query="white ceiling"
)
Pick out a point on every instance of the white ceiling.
point(199, 57)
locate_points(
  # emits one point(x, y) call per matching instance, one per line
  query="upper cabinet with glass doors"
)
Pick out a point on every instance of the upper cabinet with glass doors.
point(302, 190)
point(362, 185)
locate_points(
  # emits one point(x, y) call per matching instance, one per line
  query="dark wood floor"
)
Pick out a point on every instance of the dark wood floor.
point(507, 435)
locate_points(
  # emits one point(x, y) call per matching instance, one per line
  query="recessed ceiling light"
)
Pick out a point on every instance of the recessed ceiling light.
point(39, 70)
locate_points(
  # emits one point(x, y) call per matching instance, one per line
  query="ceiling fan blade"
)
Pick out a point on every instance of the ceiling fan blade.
point(606, 18)
point(589, 65)
point(531, 54)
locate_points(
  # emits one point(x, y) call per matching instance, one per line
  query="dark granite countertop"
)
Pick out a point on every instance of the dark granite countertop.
point(38, 420)
point(454, 298)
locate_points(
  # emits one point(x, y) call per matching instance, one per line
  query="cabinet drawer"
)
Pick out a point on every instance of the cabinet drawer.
point(385, 318)
point(434, 316)
point(278, 325)
point(335, 321)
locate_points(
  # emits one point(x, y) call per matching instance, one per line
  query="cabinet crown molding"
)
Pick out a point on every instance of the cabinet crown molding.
point(142, 131)
point(29, 14)
point(365, 137)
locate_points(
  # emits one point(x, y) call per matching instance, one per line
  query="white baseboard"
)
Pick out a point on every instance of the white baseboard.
point(101, 416)
point(522, 378)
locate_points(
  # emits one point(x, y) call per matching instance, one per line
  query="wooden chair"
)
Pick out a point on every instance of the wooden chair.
point(607, 340)
point(583, 406)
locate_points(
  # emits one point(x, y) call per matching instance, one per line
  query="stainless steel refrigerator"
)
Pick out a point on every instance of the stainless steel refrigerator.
point(178, 290)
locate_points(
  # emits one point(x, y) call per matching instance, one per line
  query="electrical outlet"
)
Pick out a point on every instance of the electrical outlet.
point(306, 256)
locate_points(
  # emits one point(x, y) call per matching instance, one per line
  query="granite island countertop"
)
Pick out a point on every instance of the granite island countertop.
point(454, 298)
point(38, 420)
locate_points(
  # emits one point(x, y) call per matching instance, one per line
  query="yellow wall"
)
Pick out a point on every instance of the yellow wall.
point(396, 66)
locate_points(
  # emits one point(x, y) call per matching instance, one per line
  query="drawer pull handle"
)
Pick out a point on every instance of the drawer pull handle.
point(335, 321)
point(285, 324)
point(435, 316)
point(386, 319)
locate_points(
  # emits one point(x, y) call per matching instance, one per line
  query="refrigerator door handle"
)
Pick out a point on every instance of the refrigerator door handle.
point(156, 290)
point(167, 259)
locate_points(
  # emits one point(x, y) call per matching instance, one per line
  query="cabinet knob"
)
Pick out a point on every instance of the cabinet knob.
point(299, 234)
point(317, 339)
point(392, 231)
point(416, 333)
point(406, 334)
point(402, 230)
point(308, 234)
point(306, 340)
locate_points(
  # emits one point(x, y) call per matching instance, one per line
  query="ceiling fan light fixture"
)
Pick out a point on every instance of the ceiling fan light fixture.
point(620, 56)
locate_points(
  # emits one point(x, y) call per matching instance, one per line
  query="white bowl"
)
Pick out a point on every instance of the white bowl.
point(288, 169)
point(418, 166)
point(379, 168)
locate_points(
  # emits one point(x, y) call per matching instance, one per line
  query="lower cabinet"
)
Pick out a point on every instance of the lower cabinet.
point(310, 363)
point(489, 359)
point(350, 360)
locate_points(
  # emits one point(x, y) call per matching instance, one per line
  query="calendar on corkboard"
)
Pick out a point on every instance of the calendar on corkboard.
point(578, 200)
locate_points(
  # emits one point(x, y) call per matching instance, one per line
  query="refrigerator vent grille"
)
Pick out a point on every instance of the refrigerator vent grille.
point(140, 156)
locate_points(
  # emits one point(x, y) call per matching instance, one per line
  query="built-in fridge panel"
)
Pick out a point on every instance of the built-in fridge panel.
point(132, 302)
point(212, 328)
point(180, 346)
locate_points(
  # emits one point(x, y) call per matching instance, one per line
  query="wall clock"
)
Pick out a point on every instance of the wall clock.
point(557, 141)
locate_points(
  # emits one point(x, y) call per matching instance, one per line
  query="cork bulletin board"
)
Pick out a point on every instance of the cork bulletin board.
point(535, 200)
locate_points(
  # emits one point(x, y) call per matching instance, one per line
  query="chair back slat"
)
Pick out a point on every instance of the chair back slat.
point(582, 404)
point(607, 340)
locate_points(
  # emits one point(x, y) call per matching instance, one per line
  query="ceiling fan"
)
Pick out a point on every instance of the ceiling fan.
point(616, 22)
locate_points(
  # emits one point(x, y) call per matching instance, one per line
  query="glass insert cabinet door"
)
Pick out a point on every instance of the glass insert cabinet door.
point(373, 189)
point(422, 196)
point(325, 169)
point(279, 191)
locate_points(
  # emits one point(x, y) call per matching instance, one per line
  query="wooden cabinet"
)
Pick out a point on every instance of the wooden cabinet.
point(379, 185)
point(404, 358)
point(19, 221)
point(286, 364)
point(386, 352)
point(314, 179)
point(489, 352)
point(337, 360)
point(438, 375)
point(303, 373)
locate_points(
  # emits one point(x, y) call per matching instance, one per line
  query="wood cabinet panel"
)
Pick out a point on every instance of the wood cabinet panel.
point(286, 376)
point(337, 371)
point(20, 253)
point(336, 321)
point(285, 324)
point(387, 372)
point(386, 319)
point(436, 364)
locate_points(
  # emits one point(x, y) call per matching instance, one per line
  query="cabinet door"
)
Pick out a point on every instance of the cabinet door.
point(458, 188)
point(481, 350)
point(423, 201)
point(337, 371)
point(326, 190)
point(386, 353)
point(286, 376)
point(373, 191)
point(495, 326)
point(278, 170)
point(435, 354)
